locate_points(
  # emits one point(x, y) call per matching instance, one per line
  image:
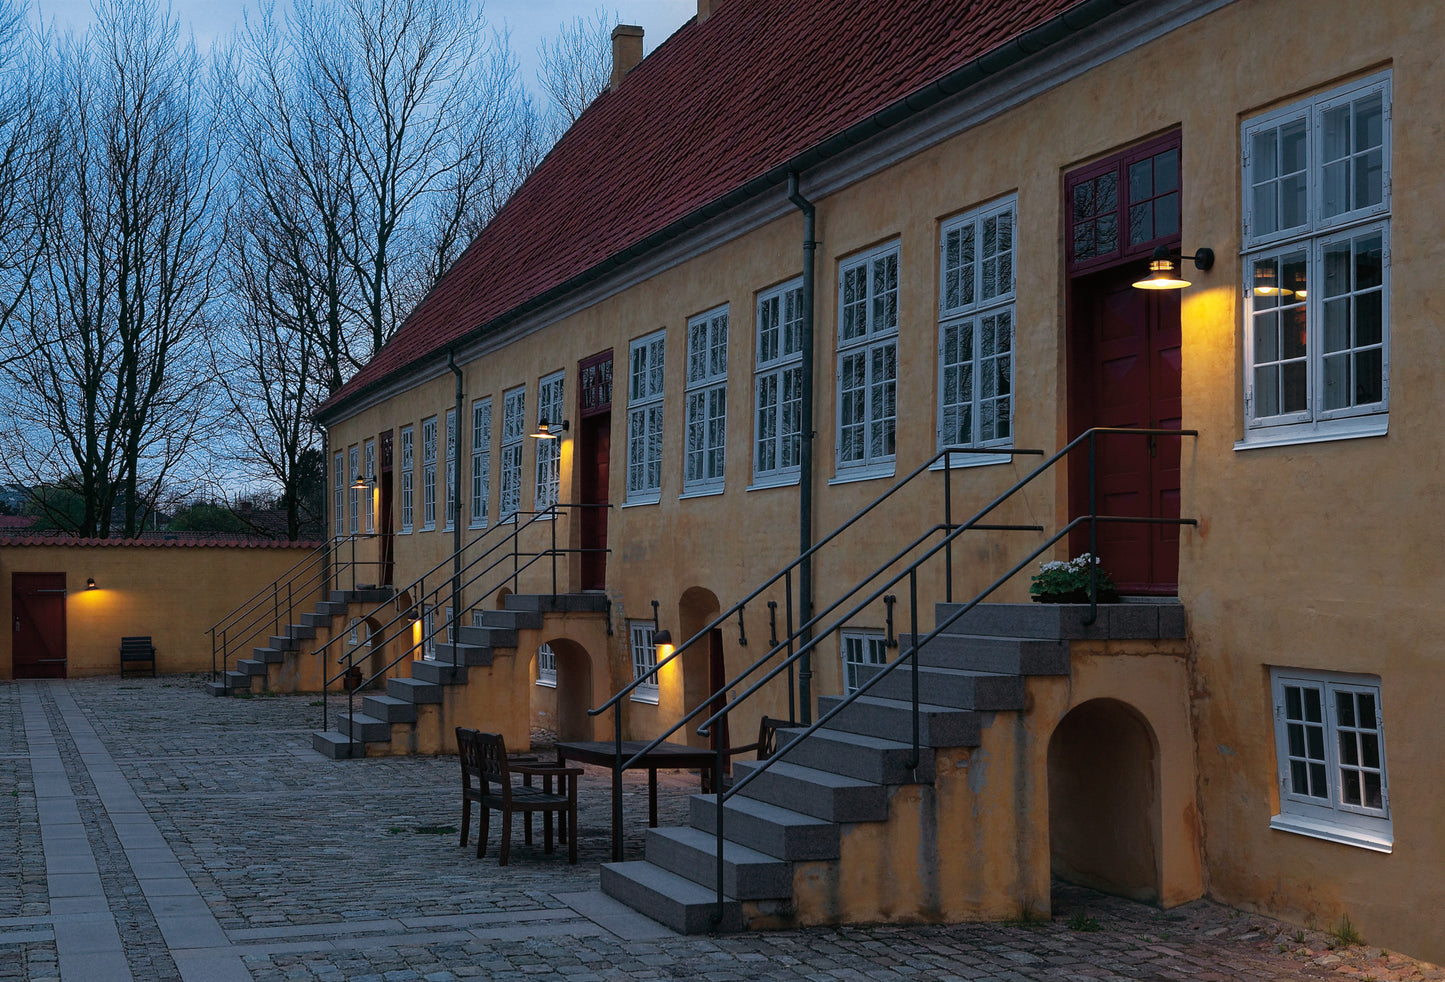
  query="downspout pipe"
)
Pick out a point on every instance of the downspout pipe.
point(805, 463)
point(456, 492)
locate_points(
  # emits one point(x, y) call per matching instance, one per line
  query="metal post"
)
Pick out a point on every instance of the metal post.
point(913, 624)
point(788, 601)
point(717, 790)
point(1093, 530)
point(554, 551)
point(948, 526)
point(617, 786)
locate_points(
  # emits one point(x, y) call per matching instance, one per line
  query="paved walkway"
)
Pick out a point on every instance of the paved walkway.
point(161, 834)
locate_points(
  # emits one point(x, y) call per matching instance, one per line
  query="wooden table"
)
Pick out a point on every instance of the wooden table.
point(664, 755)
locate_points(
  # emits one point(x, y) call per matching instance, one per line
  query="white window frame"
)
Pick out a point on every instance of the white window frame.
point(428, 625)
point(777, 386)
point(408, 477)
point(705, 427)
point(481, 461)
point(449, 495)
point(976, 298)
point(338, 495)
point(858, 649)
point(550, 406)
point(546, 666)
point(354, 638)
point(429, 474)
point(1272, 312)
point(514, 428)
point(1326, 765)
point(867, 337)
point(368, 458)
point(353, 470)
point(644, 660)
point(646, 375)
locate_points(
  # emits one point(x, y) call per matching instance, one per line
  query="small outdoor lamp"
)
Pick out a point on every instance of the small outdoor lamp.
point(90, 583)
point(661, 637)
point(546, 432)
point(1164, 272)
point(358, 484)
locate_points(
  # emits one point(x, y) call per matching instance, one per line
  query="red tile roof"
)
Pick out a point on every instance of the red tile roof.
point(719, 105)
point(159, 540)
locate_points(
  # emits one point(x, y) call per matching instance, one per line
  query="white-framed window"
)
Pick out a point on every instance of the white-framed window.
point(407, 477)
point(449, 493)
point(705, 426)
point(368, 458)
point(428, 631)
point(546, 666)
point(429, 474)
point(514, 428)
point(354, 638)
point(447, 623)
point(644, 660)
point(976, 330)
point(1317, 267)
point(549, 452)
point(1329, 732)
point(778, 386)
point(353, 469)
point(644, 419)
point(481, 460)
point(338, 496)
point(861, 648)
point(867, 410)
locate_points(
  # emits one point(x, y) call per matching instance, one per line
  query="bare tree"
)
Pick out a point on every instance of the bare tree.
point(576, 66)
point(114, 388)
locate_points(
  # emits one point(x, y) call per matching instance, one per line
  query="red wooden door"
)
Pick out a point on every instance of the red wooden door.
point(37, 601)
point(1128, 341)
point(596, 450)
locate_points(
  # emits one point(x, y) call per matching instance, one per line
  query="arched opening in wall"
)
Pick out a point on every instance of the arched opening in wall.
point(562, 689)
point(502, 595)
point(1104, 824)
point(703, 671)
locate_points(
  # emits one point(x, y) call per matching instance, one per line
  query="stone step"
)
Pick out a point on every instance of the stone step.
point(330, 608)
point(463, 654)
point(363, 727)
point(488, 637)
point(892, 719)
point(512, 620)
point(768, 828)
point(673, 900)
point(270, 656)
point(237, 682)
point(442, 673)
point(281, 643)
point(1001, 655)
point(855, 755)
point(390, 708)
point(300, 632)
point(415, 691)
point(331, 744)
point(361, 595)
point(218, 688)
point(747, 873)
point(822, 794)
point(251, 666)
point(961, 688)
point(1115, 621)
point(561, 603)
point(316, 620)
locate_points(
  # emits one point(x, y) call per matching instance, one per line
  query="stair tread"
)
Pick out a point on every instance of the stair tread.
point(856, 740)
point(733, 852)
point(765, 811)
point(675, 887)
point(923, 707)
point(811, 775)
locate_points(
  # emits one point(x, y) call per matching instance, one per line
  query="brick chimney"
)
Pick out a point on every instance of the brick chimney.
point(626, 52)
point(704, 9)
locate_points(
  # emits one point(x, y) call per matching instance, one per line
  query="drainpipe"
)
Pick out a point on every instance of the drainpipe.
point(805, 476)
point(456, 492)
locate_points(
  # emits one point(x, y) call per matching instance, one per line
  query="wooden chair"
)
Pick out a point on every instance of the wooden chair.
point(487, 780)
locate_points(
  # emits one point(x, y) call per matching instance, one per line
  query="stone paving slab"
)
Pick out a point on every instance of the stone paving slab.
point(206, 841)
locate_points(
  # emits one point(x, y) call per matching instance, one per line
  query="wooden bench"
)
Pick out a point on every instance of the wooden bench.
point(138, 649)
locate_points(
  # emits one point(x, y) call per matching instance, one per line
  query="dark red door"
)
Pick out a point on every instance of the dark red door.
point(37, 601)
point(1127, 347)
point(384, 523)
point(594, 454)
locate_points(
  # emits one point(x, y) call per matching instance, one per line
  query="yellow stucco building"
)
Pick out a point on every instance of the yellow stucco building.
point(790, 259)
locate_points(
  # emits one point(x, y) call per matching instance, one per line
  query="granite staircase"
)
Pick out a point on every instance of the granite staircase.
point(253, 674)
point(787, 827)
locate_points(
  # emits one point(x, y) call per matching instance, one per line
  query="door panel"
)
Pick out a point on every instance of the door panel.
point(38, 636)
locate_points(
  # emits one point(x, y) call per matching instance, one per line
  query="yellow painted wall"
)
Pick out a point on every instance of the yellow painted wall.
point(1321, 556)
point(173, 593)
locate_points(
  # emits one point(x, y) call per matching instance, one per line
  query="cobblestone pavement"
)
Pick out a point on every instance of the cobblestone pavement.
point(221, 847)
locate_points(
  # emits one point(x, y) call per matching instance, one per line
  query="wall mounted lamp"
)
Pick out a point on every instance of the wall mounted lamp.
point(661, 638)
point(1164, 269)
point(90, 583)
point(546, 432)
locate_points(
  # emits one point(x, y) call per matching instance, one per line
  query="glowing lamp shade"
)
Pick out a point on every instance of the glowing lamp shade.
point(90, 583)
point(1164, 270)
point(545, 431)
point(663, 640)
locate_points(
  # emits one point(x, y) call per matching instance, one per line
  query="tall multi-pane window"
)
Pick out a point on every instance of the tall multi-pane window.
point(449, 493)
point(368, 461)
point(1330, 744)
point(481, 460)
point(407, 477)
point(867, 362)
point(429, 474)
point(644, 419)
point(514, 428)
point(860, 650)
point(549, 452)
point(338, 495)
point(1317, 266)
point(706, 425)
point(353, 470)
point(976, 328)
point(546, 665)
point(778, 385)
point(644, 660)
